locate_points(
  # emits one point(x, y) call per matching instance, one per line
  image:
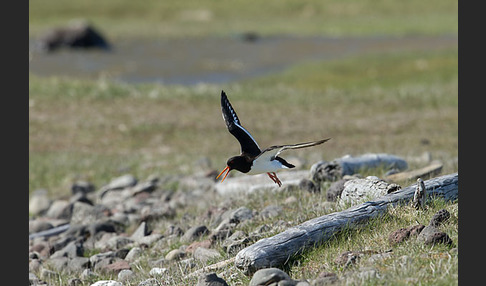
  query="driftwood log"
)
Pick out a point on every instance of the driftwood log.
point(426, 172)
point(349, 165)
point(275, 251)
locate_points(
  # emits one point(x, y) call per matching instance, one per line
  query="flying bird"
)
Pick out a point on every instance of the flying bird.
point(252, 160)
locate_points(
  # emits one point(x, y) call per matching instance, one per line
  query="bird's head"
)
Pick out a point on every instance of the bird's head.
point(236, 163)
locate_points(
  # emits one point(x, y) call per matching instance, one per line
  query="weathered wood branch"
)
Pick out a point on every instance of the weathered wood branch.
point(425, 172)
point(275, 251)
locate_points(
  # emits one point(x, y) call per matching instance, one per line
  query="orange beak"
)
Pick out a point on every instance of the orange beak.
point(225, 169)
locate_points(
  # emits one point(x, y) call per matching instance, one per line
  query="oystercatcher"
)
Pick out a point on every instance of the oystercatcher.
point(252, 160)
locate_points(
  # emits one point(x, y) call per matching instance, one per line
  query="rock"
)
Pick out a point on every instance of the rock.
point(72, 249)
point(97, 258)
point(325, 171)
point(440, 217)
point(75, 282)
point(107, 283)
point(308, 185)
point(357, 191)
point(347, 258)
point(241, 214)
point(119, 183)
point(431, 235)
point(140, 232)
point(175, 254)
point(57, 263)
point(174, 230)
point(80, 197)
point(149, 239)
point(335, 190)
point(117, 242)
point(39, 225)
point(77, 264)
point(133, 254)
point(157, 271)
point(403, 234)
point(82, 187)
point(194, 233)
point(87, 274)
point(39, 202)
point(83, 213)
point(268, 276)
point(117, 266)
point(203, 254)
point(60, 209)
point(125, 275)
point(77, 34)
point(271, 211)
point(210, 279)
point(399, 235)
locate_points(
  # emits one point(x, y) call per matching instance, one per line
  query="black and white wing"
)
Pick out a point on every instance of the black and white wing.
point(272, 152)
point(248, 144)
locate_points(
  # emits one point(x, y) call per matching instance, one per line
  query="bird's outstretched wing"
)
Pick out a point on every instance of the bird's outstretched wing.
point(248, 144)
point(273, 151)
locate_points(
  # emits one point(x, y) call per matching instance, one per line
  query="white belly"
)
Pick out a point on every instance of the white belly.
point(264, 166)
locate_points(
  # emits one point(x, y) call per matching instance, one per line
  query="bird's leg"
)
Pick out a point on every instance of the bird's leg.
point(274, 178)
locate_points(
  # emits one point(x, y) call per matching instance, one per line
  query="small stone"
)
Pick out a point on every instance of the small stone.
point(122, 182)
point(125, 275)
point(268, 276)
point(399, 235)
point(140, 232)
point(403, 234)
point(210, 279)
point(335, 190)
point(308, 185)
point(133, 254)
point(346, 258)
point(117, 266)
point(39, 225)
point(82, 187)
point(175, 254)
point(87, 274)
point(194, 233)
point(59, 209)
point(75, 282)
point(157, 271)
point(271, 211)
point(440, 217)
point(71, 250)
point(431, 235)
point(39, 202)
point(241, 214)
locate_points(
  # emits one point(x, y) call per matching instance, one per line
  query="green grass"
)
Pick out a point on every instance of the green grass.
point(118, 19)
point(411, 262)
point(97, 129)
